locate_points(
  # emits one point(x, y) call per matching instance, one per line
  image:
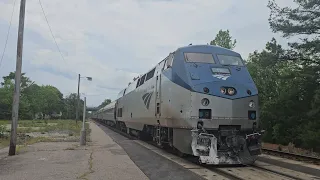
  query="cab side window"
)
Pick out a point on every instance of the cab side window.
point(150, 74)
point(168, 62)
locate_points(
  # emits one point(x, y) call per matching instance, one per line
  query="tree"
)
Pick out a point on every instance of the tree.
point(70, 105)
point(51, 99)
point(104, 103)
point(282, 106)
point(6, 95)
point(6, 98)
point(33, 98)
point(303, 22)
point(33, 94)
point(224, 39)
point(25, 81)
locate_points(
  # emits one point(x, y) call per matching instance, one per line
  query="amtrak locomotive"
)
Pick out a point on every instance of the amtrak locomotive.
point(199, 100)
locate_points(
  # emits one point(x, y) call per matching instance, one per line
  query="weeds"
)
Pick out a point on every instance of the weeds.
point(90, 171)
point(4, 142)
point(2, 130)
point(4, 137)
point(68, 127)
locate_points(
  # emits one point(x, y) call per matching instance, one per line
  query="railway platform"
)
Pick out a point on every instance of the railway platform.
point(102, 158)
point(110, 155)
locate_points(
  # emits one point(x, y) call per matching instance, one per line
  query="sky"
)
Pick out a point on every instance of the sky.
point(114, 41)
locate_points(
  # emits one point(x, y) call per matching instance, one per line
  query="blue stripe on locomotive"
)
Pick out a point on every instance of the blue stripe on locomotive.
point(181, 73)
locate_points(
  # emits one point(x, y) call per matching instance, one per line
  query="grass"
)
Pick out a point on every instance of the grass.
point(25, 126)
point(4, 138)
point(4, 142)
point(3, 122)
point(67, 127)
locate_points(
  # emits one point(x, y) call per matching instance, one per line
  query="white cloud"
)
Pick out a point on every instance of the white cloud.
point(103, 39)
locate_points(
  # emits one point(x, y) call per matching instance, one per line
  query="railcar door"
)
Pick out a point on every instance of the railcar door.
point(115, 111)
point(115, 114)
point(158, 93)
point(167, 63)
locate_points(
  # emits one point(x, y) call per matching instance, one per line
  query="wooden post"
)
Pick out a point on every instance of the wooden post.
point(16, 95)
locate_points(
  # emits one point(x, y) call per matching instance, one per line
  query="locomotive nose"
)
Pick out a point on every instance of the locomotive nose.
point(225, 103)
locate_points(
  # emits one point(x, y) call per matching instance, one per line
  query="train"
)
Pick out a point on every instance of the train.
point(200, 100)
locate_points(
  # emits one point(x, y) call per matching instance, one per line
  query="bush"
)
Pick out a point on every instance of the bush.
point(2, 130)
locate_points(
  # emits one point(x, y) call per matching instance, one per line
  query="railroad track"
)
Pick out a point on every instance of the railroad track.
point(292, 156)
point(257, 171)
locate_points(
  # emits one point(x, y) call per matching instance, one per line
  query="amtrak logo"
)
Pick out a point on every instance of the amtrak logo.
point(222, 77)
point(146, 99)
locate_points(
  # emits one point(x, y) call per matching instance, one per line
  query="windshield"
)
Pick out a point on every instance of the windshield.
point(199, 57)
point(230, 60)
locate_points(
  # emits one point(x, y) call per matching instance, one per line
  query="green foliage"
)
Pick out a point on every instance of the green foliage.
point(25, 81)
point(280, 102)
point(224, 39)
point(302, 22)
point(2, 130)
point(288, 79)
point(104, 103)
point(63, 127)
point(6, 97)
point(70, 105)
point(37, 100)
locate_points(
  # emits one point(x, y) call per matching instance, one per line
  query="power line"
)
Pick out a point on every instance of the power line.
point(5, 45)
point(55, 39)
point(51, 31)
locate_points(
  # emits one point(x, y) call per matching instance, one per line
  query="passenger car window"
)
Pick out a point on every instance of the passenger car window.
point(199, 58)
point(142, 79)
point(138, 83)
point(150, 74)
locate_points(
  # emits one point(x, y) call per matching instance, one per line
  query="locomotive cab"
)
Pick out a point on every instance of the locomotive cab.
point(220, 85)
point(223, 109)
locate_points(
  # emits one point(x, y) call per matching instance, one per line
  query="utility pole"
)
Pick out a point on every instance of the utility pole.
point(83, 130)
point(78, 101)
point(16, 95)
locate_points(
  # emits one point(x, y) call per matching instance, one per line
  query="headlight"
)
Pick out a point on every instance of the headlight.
point(231, 91)
point(251, 104)
point(223, 90)
point(206, 90)
point(205, 102)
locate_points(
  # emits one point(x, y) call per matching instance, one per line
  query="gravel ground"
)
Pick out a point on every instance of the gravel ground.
point(100, 159)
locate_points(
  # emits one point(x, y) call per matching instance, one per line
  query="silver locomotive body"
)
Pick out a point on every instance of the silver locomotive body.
point(200, 100)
